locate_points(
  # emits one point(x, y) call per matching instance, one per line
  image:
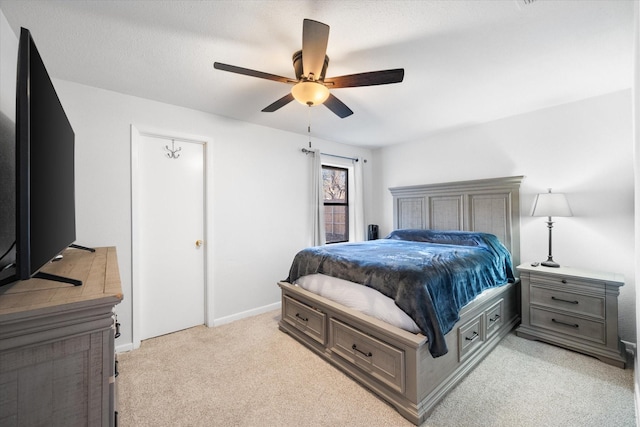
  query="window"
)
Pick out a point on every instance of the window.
point(335, 184)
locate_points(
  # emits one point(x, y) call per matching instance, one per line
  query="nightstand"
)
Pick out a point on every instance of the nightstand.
point(572, 308)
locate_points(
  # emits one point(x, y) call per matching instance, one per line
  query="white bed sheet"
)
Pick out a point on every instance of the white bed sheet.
point(358, 297)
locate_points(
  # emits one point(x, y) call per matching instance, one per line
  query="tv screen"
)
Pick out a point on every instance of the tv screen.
point(45, 190)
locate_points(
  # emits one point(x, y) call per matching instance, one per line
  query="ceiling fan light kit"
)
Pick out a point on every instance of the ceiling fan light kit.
point(310, 65)
point(310, 93)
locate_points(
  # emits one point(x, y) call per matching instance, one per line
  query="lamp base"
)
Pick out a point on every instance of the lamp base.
point(550, 263)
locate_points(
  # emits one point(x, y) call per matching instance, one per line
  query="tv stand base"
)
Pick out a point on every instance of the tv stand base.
point(84, 248)
point(56, 278)
point(61, 279)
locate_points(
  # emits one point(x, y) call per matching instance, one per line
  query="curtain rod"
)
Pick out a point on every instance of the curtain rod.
point(305, 151)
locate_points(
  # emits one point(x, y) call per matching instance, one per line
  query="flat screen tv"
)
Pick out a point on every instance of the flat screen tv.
point(45, 189)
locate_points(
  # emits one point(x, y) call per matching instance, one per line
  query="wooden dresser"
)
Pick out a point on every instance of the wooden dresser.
point(573, 308)
point(57, 344)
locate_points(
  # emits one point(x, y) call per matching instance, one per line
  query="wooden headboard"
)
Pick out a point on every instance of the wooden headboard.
point(485, 205)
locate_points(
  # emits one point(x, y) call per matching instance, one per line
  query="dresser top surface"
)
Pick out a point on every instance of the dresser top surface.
point(98, 271)
point(580, 273)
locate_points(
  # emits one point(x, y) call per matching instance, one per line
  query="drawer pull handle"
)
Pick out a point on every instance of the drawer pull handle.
point(564, 300)
point(354, 347)
point(494, 318)
point(572, 325)
point(473, 337)
point(304, 319)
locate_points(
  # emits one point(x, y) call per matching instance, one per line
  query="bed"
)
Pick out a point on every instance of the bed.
point(415, 349)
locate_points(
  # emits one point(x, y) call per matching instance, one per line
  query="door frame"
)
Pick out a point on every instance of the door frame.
point(136, 134)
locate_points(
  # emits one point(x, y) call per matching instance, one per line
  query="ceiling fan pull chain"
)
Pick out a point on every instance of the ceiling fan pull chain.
point(309, 124)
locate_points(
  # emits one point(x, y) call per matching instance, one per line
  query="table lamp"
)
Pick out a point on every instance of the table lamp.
point(550, 205)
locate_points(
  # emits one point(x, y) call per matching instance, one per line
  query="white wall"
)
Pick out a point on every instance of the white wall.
point(8, 64)
point(261, 211)
point(636, 135)
point(584, 149)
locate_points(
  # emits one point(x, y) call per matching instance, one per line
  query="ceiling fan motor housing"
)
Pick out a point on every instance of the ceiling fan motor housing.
point(297, 66)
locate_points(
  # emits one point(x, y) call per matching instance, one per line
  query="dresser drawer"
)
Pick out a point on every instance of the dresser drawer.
point(569, 325)
point(568, 301)
point(381, 360)
point(493, 318)
point(307, 319)
point(470, 337)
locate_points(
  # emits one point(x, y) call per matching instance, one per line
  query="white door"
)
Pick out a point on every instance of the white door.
point(169, 235)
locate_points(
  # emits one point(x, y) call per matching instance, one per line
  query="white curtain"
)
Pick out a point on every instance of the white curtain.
point(317, 201)
point(358, 188)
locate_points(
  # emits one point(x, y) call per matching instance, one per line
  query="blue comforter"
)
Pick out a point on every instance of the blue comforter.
point(429, 274)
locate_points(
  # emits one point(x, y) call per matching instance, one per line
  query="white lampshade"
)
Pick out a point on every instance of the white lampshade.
point(310, 93)
point(551, 204)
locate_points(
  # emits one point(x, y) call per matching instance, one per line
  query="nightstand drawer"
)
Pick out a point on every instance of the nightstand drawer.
point(569, 325)
point(381, 360)
point(593, 286)
point(306, 319)
point(568, 301)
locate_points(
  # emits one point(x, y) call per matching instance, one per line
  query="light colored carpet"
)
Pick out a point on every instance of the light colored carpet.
point(248, 373)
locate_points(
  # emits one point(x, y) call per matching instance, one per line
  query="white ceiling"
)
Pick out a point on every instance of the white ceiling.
point(465, 61)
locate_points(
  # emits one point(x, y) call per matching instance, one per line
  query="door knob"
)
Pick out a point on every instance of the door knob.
point(198, 243)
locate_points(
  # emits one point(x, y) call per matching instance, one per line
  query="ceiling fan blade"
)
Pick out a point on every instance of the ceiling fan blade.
point(278, 104)
point(337, 106)
point(371, 78)
point(315, 37)
point(252, 73)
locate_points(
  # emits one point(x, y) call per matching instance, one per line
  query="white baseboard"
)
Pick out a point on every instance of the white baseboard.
point(221, 321)
point(245, 314)
point(124, 348)
point(636, 390)
point(630, 347)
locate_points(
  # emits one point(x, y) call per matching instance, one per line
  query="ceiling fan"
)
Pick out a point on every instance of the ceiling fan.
point(311, 86)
